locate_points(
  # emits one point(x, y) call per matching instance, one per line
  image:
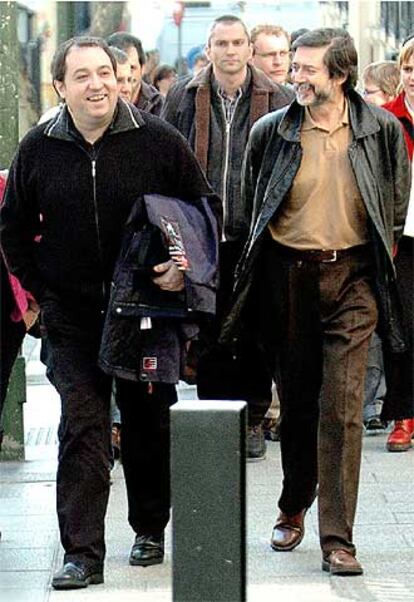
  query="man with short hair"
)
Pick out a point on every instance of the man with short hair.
point(215, 111)
point(144, 95)
point(271, 51)
point(74, 181)
point(330, 180)
point(124, 78)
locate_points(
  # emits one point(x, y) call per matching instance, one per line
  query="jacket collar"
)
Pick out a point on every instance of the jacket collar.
point(397, 106)
point(126, 118)
point(258, 79)
point(148, 92)
point(362, 119)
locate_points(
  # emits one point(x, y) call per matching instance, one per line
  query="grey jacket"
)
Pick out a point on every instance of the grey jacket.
point(149, 99)
point(379, 159)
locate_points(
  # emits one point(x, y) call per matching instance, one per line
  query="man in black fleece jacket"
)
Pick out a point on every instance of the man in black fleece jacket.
point(72, 183)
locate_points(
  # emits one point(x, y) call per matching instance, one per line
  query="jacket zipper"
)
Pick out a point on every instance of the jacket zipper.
point(98, 232)
point(96, 215)
point(226, 163)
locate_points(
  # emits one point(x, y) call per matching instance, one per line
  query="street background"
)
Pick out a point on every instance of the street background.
point(29, 550)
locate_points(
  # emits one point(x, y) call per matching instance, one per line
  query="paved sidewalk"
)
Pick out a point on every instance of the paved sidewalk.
point(30, 550)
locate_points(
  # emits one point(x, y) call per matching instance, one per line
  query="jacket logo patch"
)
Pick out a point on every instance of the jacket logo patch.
point(149, 363)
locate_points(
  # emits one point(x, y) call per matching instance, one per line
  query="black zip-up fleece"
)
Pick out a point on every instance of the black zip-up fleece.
point(77, 197)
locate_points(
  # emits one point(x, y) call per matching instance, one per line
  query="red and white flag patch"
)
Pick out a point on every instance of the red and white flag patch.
point(149, 363)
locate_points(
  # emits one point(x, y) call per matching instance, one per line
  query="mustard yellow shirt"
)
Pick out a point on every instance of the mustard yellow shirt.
point(324, 208)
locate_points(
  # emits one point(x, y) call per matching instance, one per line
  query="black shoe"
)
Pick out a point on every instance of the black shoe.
point(147, 550)
point(75, 575)
point(256, 444)
point(374, 425)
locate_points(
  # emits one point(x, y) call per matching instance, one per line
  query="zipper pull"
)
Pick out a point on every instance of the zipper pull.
point(93, 168)
point(150, 388)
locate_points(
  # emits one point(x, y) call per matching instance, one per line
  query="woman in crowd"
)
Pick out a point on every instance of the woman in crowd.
point(164, 77)
point(380, 81)
point(18, 314)
point(399, 400)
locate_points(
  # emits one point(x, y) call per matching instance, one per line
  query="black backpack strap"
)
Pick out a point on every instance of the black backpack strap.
point(408, 126)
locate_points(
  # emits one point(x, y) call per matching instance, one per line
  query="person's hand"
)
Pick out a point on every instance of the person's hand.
point(170, 278)
point(31, 314)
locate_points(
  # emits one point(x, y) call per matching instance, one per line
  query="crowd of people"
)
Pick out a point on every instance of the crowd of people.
point(248, 227)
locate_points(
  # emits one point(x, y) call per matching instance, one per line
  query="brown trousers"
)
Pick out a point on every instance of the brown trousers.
point(317, 319)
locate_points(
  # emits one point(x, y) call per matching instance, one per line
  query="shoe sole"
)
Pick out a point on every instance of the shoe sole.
point(341, 571)
point(290, 547)
point(146, 562)
point(256, 458)
point(395, 447)
point(95, 579)
point(271, 437)
point(295, 545)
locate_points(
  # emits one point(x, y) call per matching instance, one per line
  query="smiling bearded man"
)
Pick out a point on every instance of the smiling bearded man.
point(329, 181)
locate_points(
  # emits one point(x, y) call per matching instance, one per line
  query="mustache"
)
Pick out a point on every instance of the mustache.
point(303, 87)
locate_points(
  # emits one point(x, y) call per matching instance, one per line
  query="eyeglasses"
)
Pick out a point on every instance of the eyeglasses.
point(370, 92)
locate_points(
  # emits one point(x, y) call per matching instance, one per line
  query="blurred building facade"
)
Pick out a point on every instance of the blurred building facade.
point(378, 28)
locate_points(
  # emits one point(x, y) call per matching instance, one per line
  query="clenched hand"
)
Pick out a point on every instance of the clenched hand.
point(170, 278)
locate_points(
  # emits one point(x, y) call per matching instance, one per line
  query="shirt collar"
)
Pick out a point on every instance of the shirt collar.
point(242, 90)
point(309, 124)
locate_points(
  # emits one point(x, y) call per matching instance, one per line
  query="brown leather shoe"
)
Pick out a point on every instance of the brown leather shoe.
point(341, 562)
point(288, 531)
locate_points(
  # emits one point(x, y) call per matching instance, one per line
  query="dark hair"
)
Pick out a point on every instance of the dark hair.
point(162, 72)
point(58, 66)
point(121, 57)
point(124, 40)
point(408, 38)
point(297, 33)
point(227, 20)
point(340, 58)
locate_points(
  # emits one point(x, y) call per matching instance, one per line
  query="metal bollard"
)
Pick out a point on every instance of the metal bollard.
point(208, 485)
point(13, 442)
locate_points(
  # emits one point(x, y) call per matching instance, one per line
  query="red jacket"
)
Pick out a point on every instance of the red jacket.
point(2, 185)
point(397, 107)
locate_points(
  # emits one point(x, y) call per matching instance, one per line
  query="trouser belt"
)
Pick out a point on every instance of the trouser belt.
point(320, 255)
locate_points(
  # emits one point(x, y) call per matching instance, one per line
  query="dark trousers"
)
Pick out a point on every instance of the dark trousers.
point(85, 454)
point(399, 367)
point(239, 374)
point(84, 458)
point(146, 452)
point(317, 322)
